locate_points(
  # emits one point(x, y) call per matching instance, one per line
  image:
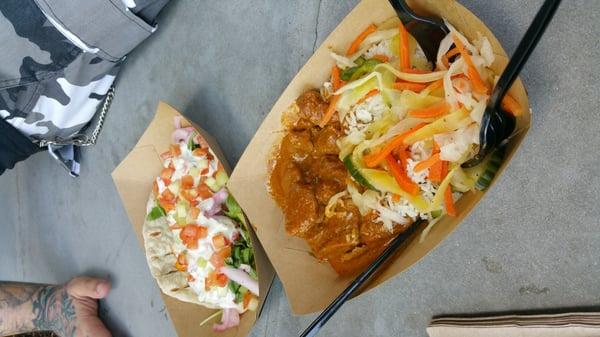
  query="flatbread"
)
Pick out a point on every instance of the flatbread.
point(161, 253)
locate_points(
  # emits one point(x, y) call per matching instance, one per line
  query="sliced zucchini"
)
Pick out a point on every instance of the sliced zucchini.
point(485, 172)
point(436, 214)
point(354, 170)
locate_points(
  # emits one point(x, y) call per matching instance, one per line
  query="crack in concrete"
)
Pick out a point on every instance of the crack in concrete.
point(533, 289)
point(317, 26)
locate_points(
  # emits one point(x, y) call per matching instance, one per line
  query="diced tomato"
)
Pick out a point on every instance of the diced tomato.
point(167, 205)
point(222, 280)
point(194, 203)
point(247, 298)
point(209, 156)
point(210, 280)
point(181, 263)
point(167, 173)
point(215, 279)
point(190, 234)
point(189, 195)
point(175, 150)
point(225, 252)
point(168, 195)
point(166, 155)
point(219, 241)
point(190, 278)
point(204, 171)
point(193, 232)
point(155, 188)
point(194, 212)
point(202, 232)
point(201, 151)
point(203, 191)
point(217, 261)
point(187, 182)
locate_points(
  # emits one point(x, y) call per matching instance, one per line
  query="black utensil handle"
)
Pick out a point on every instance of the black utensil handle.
point(524, 50)
point(318, 323)
point(402, 7)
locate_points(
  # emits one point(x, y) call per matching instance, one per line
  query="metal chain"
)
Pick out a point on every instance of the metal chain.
point(82, 139)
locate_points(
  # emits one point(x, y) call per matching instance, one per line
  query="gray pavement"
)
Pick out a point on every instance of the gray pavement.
point(531, 244)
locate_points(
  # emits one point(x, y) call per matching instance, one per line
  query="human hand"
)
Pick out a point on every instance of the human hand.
point(69, 310)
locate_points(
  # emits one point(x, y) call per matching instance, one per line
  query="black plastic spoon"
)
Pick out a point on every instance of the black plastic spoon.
point(389, 251)
point(428, 31)
point(496, 124)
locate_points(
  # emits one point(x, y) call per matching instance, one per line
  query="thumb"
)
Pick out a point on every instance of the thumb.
point(88, 287)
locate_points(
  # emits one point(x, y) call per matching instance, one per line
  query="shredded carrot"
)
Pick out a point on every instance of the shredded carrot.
point(445, 61)
point(374, 159)
point(335, 78)
point(452, 52)
point(404, 48)
point(360, 38)
point(435, 110)
point(330, 111)
point(436, 147)
point(381, 57)
point(449, 202)
point(369, 94)
point(427, 163)
point(400, 175)
point(435, 85)
point(435, 171)
point(416, 87)
point(438, 171)
point(511, 105)
point(396, 198)
point(402, 154)
point(478, 84)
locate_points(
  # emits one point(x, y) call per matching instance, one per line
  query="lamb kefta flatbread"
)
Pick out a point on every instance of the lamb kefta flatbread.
point(195, 234)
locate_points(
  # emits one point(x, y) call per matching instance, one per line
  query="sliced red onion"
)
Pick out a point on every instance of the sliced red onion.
point(229, 319)
point(246, 268)
point(241, 277)
point(177, 122)
point(218, 200)
point(181, 134)
point(220, 196)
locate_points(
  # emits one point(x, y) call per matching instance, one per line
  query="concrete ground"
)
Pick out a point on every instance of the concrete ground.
point(531, 244)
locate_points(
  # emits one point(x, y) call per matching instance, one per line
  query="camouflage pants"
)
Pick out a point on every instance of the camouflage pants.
point(58, 60)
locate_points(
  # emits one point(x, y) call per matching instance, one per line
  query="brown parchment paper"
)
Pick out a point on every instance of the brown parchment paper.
point(133, 179)
point(309, 284)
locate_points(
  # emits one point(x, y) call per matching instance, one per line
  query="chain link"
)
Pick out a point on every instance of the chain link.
point(82, 139)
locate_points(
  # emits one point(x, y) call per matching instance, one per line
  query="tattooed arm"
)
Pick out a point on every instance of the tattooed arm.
point(70, 310)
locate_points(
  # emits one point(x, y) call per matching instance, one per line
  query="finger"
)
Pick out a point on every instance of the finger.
point(88, 287)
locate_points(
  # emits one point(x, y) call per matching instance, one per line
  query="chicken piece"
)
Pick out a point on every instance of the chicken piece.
point(312, 106)
point(301, 215)
point(325, 141)
point(297, 146)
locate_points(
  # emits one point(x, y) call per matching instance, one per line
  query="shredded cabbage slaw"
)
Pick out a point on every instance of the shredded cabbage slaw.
point(378, 112)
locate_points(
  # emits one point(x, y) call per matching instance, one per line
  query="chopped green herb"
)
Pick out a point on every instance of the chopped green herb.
point(191, 144)
point(156, 212)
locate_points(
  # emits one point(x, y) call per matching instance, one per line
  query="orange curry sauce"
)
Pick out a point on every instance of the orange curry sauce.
point(306, 174)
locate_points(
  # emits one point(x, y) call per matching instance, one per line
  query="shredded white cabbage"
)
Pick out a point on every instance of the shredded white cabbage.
point(332, 204)
point(445, 45)
point(378, 119)
point(379, 36)
point(342, 61)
